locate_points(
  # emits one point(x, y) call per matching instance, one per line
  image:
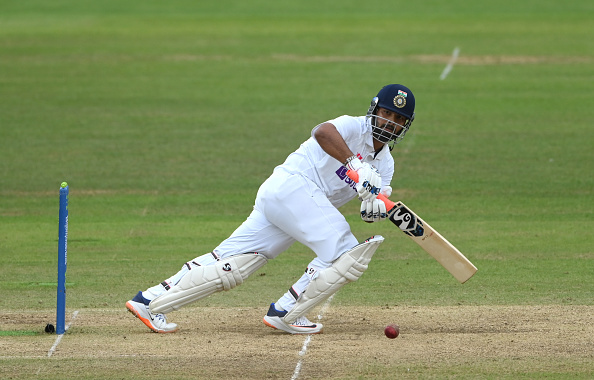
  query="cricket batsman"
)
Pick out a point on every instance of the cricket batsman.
point(299, 202)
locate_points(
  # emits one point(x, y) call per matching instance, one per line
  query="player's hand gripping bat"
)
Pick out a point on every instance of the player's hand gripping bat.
point(425, 236)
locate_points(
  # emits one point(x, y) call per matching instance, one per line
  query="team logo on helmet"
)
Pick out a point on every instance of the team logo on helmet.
point(400, 100)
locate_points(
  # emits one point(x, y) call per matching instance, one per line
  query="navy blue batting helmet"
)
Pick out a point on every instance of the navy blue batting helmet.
point(396, 98)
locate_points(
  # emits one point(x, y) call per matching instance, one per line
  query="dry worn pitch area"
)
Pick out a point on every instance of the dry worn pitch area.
point(464, 341)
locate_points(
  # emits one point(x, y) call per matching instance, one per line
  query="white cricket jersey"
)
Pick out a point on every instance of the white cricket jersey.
point(312, 162)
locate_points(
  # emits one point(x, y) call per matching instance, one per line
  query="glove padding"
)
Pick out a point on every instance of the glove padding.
point(373, 211)
point(369, 184)
point(370, 181)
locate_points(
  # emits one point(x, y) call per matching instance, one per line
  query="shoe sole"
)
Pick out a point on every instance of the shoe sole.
point(148, 324)
point(289, 329)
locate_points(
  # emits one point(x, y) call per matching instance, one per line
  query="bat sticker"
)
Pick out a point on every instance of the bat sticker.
point(407, 221)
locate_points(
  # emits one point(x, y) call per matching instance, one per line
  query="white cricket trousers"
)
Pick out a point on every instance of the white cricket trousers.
point(288, 208)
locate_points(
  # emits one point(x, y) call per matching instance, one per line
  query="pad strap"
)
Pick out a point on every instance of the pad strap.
point(202, 281)
point(347, 268)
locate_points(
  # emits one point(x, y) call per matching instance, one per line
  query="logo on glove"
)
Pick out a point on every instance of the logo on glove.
point(372, 189)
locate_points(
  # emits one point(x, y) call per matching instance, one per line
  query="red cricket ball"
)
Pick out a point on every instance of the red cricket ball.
point(392, 331)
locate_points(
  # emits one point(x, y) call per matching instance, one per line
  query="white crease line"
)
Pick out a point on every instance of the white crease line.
point(450, 64)
point(308, 339)
point(59, 338)
point(301, 354)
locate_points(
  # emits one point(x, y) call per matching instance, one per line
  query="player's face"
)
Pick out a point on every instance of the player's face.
point(388, 126)
point(391, 121)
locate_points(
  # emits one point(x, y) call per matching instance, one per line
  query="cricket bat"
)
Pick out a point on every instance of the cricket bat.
point(426, 237)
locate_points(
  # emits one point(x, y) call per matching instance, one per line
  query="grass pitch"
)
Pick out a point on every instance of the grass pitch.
point(165, 118)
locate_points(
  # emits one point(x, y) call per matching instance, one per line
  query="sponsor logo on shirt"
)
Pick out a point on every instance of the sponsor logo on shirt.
point(342, 174)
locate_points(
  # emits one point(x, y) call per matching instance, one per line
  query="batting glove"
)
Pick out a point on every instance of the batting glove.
point(373, 211)
point(370, 182)
point(386, 191)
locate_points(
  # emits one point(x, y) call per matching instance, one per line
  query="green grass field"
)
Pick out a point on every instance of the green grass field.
point(165, 117)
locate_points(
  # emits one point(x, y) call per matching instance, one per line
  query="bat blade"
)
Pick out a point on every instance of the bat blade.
point(427, 238)
point(432, 242)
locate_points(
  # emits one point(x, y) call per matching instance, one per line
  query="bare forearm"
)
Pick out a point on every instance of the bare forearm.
point(332, 142)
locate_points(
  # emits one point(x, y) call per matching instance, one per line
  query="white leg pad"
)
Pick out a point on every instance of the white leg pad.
point(347, 268)
point(203, 281)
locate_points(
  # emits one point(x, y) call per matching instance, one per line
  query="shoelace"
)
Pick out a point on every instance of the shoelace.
point(303, 321)
point(161, 318)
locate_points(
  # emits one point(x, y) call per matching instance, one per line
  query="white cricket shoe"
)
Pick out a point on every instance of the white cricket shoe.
point(274, 319)
point(156, 322)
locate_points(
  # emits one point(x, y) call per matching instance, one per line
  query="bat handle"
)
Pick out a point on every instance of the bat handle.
point(355, 177)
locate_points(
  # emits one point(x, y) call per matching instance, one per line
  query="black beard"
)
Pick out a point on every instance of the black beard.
point(381, 135)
